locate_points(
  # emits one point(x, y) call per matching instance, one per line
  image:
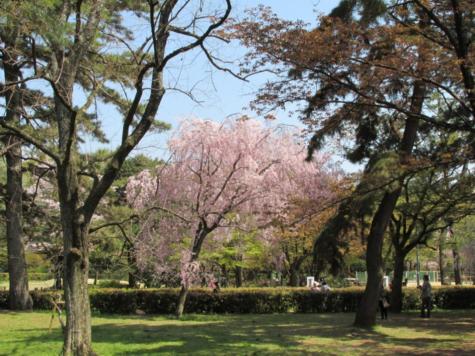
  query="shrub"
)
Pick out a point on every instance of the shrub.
point(3, 299)
point(411, 299)
point(109, 283)
point(455, 298)
point(37, 263)
point(246, 300)
point(41, 299)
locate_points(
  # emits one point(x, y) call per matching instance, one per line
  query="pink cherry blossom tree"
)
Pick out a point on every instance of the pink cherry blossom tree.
point(236, 174)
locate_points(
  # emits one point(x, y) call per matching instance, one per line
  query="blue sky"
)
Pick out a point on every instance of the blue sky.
point(221, 95)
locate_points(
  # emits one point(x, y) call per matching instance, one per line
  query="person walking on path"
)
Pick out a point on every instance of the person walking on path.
point(426, 297)
point(383, 302)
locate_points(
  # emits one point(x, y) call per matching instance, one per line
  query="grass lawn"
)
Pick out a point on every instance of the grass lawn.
point(447, 333)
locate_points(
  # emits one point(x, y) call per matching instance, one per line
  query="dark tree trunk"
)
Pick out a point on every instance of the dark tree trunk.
point(132, 280)
point(58, 282)
point(19, 297)
point(366, 313)
point(294, 271)
point(457, 269)
point(225, 276)
point(238, 276)
point(77, 336)
point(441, 259)
point(252, 276)
point(396, 293)
point(58, 272)
point(131, 261)
point(75, 227)
point(294, 278)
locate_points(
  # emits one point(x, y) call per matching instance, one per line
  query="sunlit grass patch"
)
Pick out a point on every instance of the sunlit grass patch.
point(449, 332)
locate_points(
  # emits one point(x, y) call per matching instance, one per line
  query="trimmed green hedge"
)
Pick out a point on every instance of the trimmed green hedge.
point(455, 298)
point(255, 300)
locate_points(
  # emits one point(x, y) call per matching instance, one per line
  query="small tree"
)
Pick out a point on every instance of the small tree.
point(235, 174)
point(431, 201)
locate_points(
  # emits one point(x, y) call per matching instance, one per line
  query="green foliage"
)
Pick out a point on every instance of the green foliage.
point(136, 164)
point(110, 283)
point(37, 263)
point(248, 300)
point(455, 298)
point(242, 250)
point(344, 10)
point(367, 10)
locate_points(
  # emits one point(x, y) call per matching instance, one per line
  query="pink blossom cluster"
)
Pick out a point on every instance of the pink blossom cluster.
point(221, 176)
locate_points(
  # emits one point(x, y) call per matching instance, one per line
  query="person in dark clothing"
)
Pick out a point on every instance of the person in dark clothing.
point(383, 303)
point(426, 297)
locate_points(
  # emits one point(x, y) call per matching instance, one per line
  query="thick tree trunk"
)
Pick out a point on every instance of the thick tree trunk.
point(294, 278)
point(294, 270)
point(396, 293)
point(366, 313)
point(77, 334)
point(74, 224)
point(132, 280)
point(238, 276)
point(77, 337)
point(19, 297)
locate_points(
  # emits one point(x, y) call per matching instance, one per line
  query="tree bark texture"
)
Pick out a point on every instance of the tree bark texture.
point(294, 279)
point(294, 271)
point(396, 293)
point(19, 297)
point(457, 268)
point(132, 263)
point(238, 276)
point(366, 313)
point(77, 337)
point(201, 234)
point(443, 280)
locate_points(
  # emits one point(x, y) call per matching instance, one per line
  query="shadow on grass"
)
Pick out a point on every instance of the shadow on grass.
point(448, 322)
point(330, 333)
